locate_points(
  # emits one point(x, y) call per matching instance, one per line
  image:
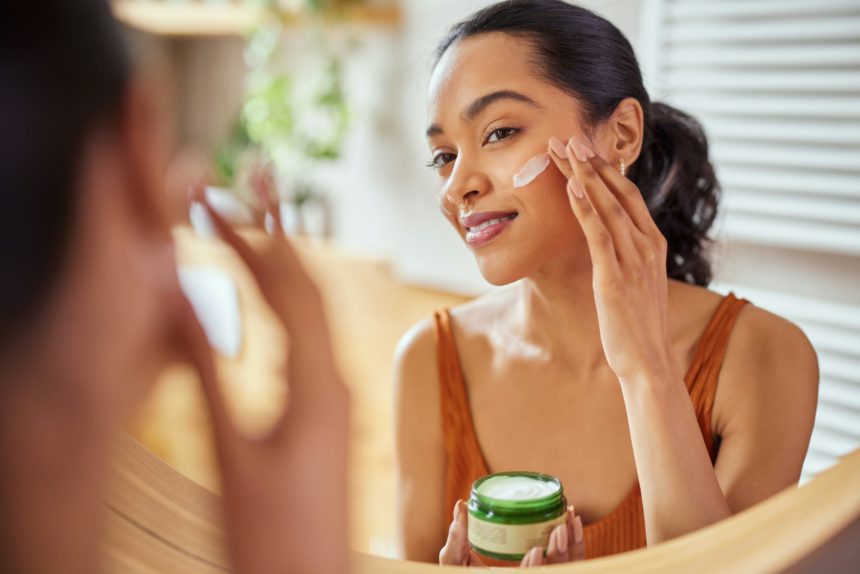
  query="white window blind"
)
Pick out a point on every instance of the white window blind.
point(776, 84)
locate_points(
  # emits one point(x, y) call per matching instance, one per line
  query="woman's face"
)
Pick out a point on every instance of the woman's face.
point(490, 113)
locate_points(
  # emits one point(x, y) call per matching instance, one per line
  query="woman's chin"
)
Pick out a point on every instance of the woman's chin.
point(499, 273)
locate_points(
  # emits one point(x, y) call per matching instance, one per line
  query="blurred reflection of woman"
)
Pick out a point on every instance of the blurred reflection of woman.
point(90, 311)
point(662, 406)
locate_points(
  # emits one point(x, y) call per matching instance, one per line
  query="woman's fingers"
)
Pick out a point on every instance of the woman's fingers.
point(456, 551)
point(556, 551)
point(229, 236)
point(558, 153)
point(577, 548)
point(613, 215)
point(533, 557)
point(295, 299)
point(264, 186)
point(282, 279)
point(600, 243)
point(628, 195)
point(193, 341)
point(475, 560)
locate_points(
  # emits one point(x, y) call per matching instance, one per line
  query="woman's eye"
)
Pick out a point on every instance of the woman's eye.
point(499, 134)
point(440, 160)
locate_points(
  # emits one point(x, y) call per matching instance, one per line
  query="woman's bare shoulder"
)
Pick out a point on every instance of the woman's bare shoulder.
point(769, 370)
point(758, 336)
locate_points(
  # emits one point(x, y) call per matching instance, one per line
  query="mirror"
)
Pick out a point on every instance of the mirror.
point(771, 141)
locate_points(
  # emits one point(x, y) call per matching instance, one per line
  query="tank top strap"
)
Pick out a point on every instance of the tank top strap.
point(465, 460)
point(704, 371)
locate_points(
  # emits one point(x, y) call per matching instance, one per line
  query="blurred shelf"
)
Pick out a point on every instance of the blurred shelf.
point(192, 18)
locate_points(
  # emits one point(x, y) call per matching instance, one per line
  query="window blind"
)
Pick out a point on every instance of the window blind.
point(776, 84)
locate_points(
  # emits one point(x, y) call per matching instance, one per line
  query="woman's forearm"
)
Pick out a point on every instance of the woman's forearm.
point(680, 491)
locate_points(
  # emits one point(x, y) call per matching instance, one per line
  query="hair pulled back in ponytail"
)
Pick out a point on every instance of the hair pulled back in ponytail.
point(589, 58)
point(680, 188)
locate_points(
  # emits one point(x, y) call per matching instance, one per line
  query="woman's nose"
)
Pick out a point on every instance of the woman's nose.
point(463, 203)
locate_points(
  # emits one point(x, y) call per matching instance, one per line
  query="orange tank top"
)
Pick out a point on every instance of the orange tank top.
point(623, 529)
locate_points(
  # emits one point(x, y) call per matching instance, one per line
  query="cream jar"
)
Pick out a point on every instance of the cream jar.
point(512, 512)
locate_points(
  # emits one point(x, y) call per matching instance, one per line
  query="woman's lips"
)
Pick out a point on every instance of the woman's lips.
point(482, 233)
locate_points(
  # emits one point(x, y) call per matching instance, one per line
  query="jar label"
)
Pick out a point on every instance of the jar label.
point(515, 539)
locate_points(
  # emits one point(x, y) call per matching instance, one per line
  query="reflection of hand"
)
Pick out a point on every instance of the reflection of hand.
point(628, 255)
point(565, 544)
point(285, 493)
point(456, 551)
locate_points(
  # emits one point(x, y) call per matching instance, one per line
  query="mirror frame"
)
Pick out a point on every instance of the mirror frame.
point(159, 520)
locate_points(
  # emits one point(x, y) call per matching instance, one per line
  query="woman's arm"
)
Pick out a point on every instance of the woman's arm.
point(681, 491)
point(764, 416)
point(420, 451)
point(764, 408)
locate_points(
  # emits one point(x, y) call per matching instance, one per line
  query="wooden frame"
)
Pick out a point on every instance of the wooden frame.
point(160, 521)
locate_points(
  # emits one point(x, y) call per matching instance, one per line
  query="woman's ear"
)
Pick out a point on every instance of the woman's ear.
point(623, 132)
point(145, 146)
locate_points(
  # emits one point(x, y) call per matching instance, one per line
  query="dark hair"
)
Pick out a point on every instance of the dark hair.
point(64, 69)
point(589, 58)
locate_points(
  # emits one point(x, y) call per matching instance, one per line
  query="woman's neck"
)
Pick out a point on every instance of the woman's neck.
point(557, 312)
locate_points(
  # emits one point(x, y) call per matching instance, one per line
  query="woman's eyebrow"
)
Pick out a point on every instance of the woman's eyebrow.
point(472, 110)
point(476, 107)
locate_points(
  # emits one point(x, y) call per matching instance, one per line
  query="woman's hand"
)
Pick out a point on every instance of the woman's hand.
point(285, 495)
point(456, 551)
point(628, 255)
point(566, 543)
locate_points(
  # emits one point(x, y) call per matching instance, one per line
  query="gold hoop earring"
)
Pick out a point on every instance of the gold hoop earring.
point(623, 169)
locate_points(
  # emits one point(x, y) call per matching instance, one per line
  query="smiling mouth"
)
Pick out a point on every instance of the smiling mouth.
point(489, 223)
point(488, 230)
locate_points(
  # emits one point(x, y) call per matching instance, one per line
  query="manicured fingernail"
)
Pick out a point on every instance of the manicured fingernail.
point(557, 147)
point(562, 538)
point(582, 151)
point(575, 188)
point(577, 530)
point(457, 510)
point(573, 149)
point(586, 148)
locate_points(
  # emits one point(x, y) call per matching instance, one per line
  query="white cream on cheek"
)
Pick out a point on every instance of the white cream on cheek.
point(532, 168)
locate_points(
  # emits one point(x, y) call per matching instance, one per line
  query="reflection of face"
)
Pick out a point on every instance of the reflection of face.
point(478, 148)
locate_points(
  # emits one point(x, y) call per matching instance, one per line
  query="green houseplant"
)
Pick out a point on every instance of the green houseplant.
point(294, 113)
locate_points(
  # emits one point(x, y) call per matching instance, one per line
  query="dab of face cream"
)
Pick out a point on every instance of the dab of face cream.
point(533, 168)
point(517, 488)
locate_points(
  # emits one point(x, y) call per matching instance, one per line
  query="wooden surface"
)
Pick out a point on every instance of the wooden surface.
point(195, 18)
point(368, 310)
point(160, 521)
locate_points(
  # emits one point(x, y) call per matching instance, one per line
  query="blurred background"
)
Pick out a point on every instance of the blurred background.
point(331, 95)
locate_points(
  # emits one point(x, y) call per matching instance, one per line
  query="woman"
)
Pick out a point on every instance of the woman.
point(91, 311)
point(663, 407)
